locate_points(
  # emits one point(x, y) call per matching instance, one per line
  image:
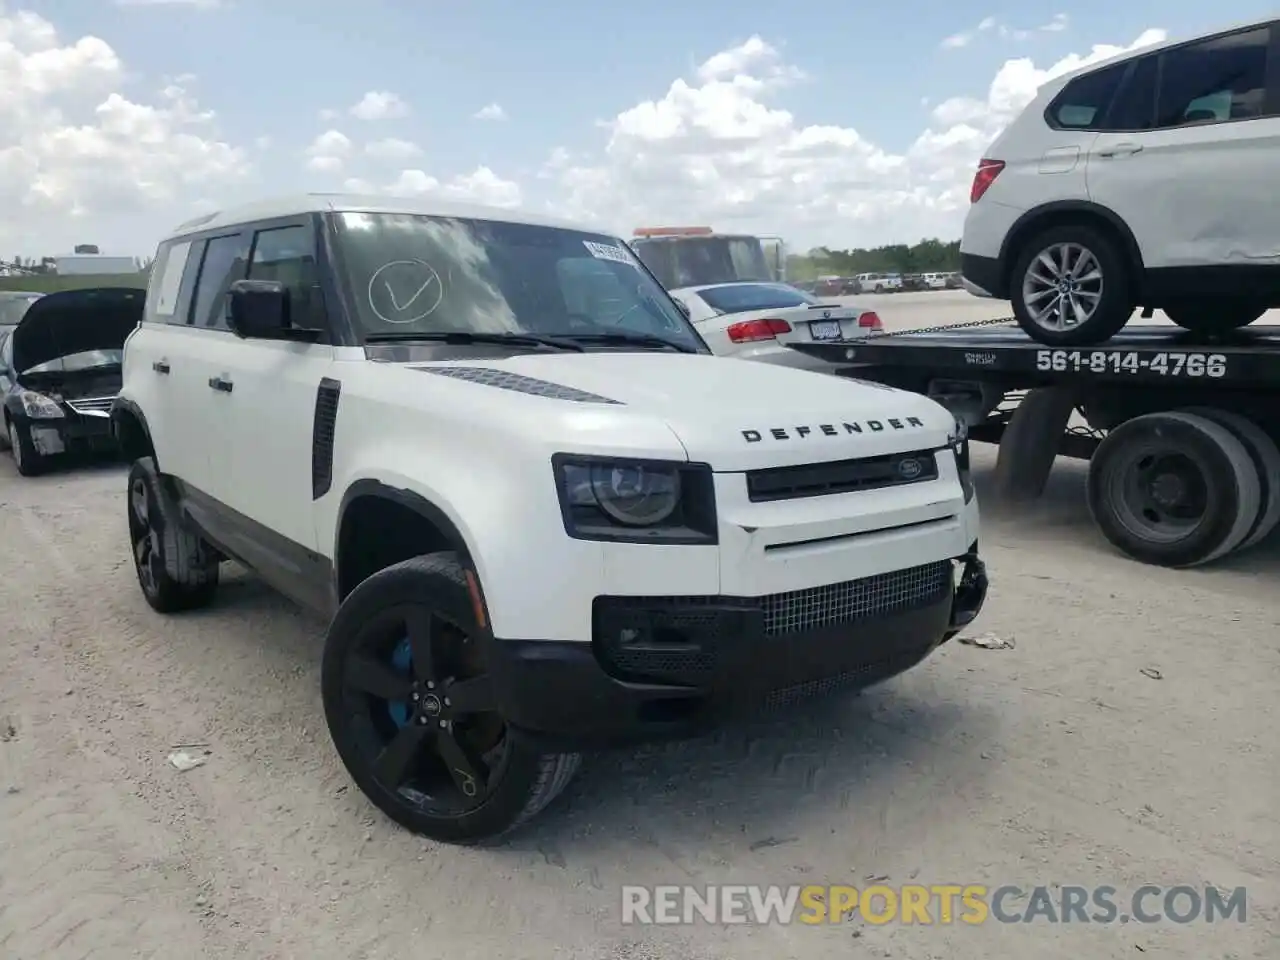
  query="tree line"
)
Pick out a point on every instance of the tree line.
point(927, 256)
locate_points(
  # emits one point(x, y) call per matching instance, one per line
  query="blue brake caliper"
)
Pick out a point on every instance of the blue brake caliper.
point(402, 662)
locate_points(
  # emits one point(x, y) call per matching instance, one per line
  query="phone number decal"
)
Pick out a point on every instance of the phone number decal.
point(1212, 365)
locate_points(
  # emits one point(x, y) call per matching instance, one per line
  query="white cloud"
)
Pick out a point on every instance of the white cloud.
point(393, 149)
point(379, 105)
point(717, 149)
point(991, 25)
point(493, 111)
point(328, 152)
point(482, 185)
point(72, 146)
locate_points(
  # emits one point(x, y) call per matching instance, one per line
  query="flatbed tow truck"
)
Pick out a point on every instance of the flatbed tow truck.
point(1181, 431)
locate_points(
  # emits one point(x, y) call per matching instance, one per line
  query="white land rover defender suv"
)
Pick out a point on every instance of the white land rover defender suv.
point(540, 514)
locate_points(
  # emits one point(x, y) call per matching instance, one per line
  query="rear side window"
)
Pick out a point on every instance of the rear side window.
point(171, 281)
point(1083, 103)
point(1215, 80)
point(225, 259)
point(1135, 104)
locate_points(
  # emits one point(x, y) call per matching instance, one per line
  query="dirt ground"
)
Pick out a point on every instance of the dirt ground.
point(1127, 738)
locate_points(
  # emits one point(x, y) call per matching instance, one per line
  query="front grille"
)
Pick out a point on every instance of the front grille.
point(93, 406)
point(841, 476)
point(836, 603)
point(678, 639)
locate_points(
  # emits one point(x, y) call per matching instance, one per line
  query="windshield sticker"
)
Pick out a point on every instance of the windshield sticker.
point(405, 291)
point(606, 251)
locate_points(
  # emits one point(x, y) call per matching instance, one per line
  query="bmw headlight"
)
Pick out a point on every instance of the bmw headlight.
point(635, 501)
point(40, 407)
point(958, 441)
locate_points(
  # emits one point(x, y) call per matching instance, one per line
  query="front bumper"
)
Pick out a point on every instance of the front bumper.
point(662, 667)
point(70, 434)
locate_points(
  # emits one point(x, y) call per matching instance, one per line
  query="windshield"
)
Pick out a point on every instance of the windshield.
point(421, 274)
point(740, 297)
point(79, 362)
point(14, 306)
point(695, 261)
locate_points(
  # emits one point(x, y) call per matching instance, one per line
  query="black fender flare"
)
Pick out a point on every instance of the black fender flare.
point(1027, 221)
point(405, 498)
point(120, 407)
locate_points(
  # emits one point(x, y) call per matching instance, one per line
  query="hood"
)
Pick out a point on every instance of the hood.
point(76, 321)
point(741, 415)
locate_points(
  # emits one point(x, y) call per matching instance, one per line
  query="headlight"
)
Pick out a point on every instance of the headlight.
point(635, 501)
point(959, 444)
point(39, 406)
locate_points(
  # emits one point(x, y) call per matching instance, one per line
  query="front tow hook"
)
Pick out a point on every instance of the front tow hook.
point(970, 595)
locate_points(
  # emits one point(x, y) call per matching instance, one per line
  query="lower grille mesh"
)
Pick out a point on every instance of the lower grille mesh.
point(836, 603)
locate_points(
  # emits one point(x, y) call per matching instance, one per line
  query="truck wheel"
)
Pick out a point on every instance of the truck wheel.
point(1173, 489)
point(176, 569)
point(1213, 317)
point(1070, 287)
point(412, 712)
point(1266, 460)
point(25, 456)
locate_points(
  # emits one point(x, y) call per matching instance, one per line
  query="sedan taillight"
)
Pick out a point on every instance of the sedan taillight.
point(748, 331)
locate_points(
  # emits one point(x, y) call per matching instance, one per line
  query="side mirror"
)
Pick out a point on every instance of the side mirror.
point(684, 307)
point(259, 309)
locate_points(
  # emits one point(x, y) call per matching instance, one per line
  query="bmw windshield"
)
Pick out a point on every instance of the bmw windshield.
point(428, 276)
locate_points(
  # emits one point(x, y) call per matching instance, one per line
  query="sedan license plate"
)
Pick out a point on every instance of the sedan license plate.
point(825, 329)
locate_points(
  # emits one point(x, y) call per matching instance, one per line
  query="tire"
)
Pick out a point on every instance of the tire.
point(368, 646)
point(1266, 460)
point(1215, 472)
point(176, 569)
point(1114, 305)
point(26, 458)
point(1210, 317)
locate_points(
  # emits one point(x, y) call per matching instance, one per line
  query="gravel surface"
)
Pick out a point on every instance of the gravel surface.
point(1128, 737)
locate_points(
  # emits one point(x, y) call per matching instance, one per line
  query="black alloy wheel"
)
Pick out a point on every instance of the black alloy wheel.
point(413, 713)
point(156, 535)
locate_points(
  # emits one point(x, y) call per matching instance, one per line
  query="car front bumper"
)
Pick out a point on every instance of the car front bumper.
point(660, 667)
point(71, 434)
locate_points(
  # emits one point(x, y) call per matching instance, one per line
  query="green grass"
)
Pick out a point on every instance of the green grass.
point(52, 283)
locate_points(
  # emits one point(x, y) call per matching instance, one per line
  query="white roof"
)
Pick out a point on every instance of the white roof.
point(1061, 81)
point(303, 203)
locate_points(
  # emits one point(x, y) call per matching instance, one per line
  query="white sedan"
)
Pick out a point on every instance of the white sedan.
point(756, 320)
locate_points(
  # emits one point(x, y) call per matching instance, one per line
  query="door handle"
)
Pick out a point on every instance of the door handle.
point(160, 366)
point(218, 383)
point(1120, 150)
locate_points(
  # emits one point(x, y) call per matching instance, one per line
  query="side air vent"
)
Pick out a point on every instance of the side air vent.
point(322, 433)
point(505, 380)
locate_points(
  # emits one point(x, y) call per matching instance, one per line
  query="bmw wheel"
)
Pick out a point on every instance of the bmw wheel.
point(1070, 286)
point(413, 713)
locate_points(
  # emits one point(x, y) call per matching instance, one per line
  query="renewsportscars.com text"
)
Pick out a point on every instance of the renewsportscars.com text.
point(937, 904)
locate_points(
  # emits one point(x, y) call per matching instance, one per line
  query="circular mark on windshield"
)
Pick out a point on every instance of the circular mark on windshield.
point(405, 291)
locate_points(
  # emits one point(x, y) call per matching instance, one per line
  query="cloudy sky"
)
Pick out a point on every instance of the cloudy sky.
point(823, 121)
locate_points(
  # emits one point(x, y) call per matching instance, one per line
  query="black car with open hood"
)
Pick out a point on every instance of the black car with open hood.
point(60, 368)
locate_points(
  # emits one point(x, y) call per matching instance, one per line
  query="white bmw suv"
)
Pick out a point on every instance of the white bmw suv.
point(1148, 180)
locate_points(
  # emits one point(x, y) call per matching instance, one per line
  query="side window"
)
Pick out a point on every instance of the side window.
point(287, 254)
point(1220, 79)
point(1135, 104)
point(1084, 101)
point(223, 263)
point(172, 275)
